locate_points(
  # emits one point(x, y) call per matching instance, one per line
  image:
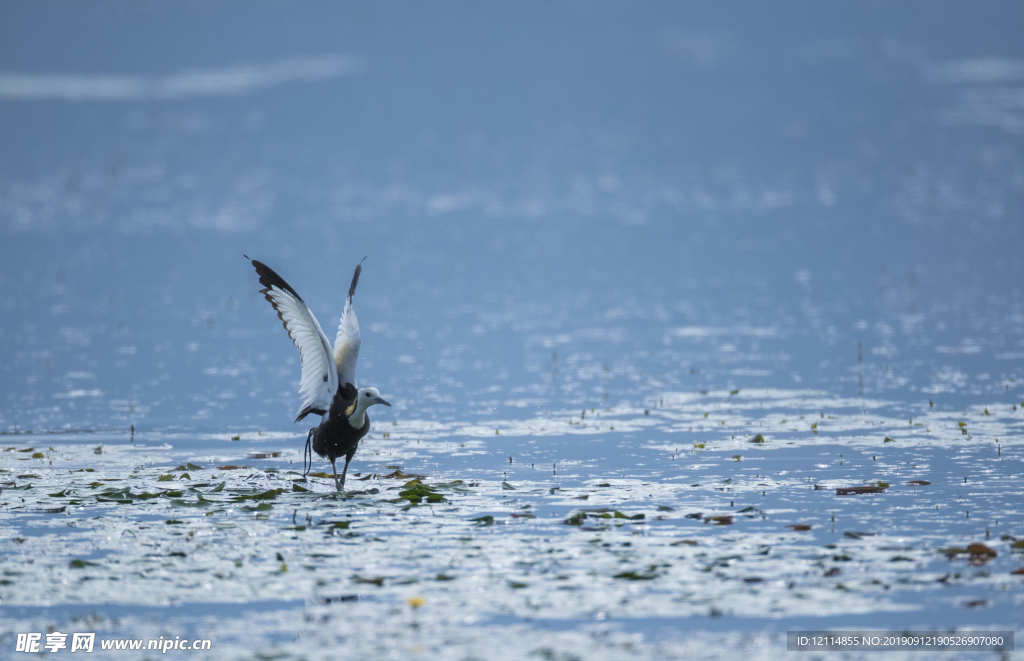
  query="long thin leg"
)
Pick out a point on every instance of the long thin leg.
point(344, 471)
point(307, 454)
point(336, 485)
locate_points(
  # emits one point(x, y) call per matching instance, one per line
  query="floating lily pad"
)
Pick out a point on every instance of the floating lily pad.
point(369, 580)
point(576, 519)
point(415, 491)
point(637, 576)
point(850, 491)
point(263, 495)
point(398, 475)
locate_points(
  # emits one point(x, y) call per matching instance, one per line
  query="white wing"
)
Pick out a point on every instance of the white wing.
point(319, 376)
point(346, 344)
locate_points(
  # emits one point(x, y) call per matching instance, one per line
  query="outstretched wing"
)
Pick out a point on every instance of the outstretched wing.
point(319, 376)
point(346, 344)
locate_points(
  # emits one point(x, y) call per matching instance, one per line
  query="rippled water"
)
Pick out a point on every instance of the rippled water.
point(651, 288)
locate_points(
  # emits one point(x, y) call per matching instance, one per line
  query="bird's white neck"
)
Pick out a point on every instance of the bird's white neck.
point(358, 417)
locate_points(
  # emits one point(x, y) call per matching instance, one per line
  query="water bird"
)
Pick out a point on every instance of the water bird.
point(328, 386)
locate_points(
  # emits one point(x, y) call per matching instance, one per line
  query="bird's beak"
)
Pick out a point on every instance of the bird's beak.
point(381, 400)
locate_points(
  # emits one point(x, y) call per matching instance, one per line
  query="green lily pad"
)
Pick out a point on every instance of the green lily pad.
point(637, 576)
point(264, 495)
point(415, 491)
point(369, 580)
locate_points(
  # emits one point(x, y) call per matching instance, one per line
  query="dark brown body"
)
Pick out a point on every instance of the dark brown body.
point(335, 437)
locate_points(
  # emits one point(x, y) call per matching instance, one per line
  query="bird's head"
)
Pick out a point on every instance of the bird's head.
point(368, 397)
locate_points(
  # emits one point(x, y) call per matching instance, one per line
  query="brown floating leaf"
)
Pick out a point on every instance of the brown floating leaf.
point(799, 527)
point(1018, 571)
point(978, 553)
point(1018, 545)
point(719, 520)
point(399, 475)
point(682, 542)
point(849, 491)
point(232, 467)
point(919, 483)
point(981, 550)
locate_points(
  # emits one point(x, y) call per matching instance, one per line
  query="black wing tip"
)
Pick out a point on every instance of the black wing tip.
point(269, 278)
point(309, 409)
point(355, 280)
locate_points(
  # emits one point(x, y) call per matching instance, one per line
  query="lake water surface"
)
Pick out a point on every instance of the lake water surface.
point(651, 288)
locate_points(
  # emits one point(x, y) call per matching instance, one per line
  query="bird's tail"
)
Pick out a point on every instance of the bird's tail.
point(355, 281)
